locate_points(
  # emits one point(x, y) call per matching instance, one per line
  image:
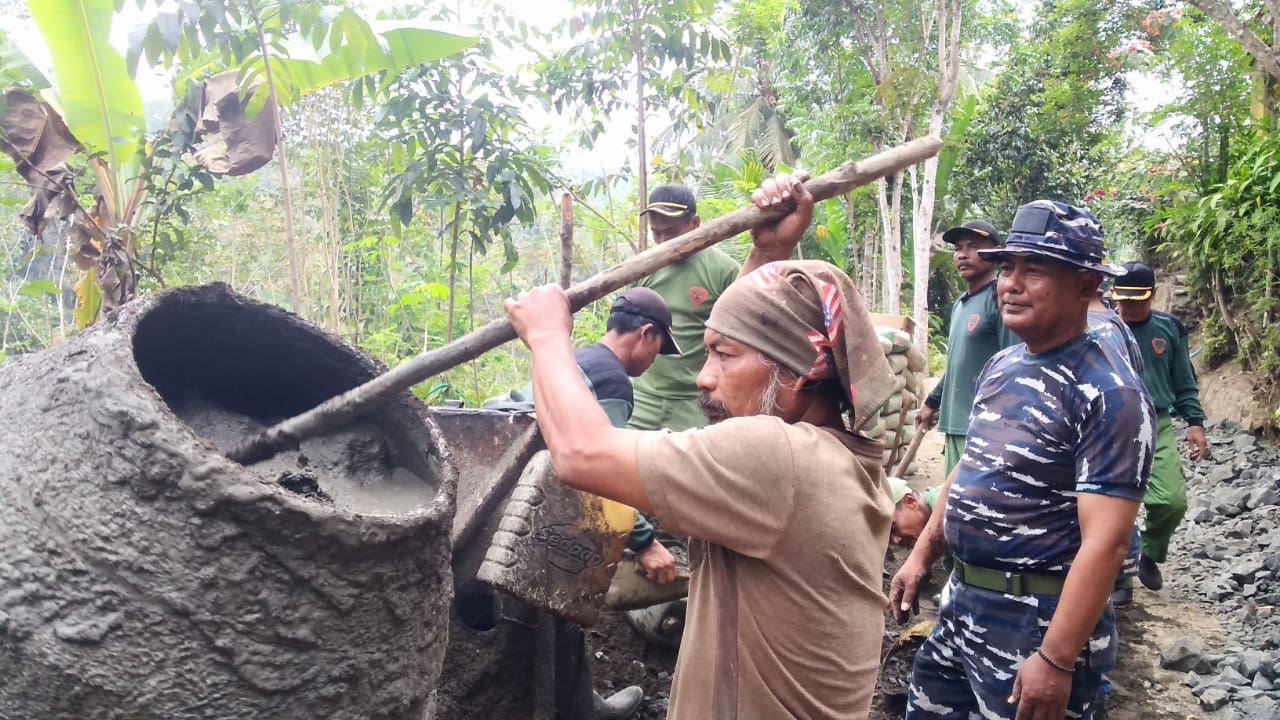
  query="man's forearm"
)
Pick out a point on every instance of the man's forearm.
point(567, 412)
point(933, 542)
point(1089, 583)
point(1105, 539)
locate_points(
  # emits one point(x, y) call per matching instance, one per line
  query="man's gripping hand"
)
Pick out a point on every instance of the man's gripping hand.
point(927, 418)
point(541, 314)
point(778, 239)
point(657, 562)
point(904, 590)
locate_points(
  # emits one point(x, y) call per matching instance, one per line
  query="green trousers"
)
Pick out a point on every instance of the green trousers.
point(1166, 498)
point(655, 413)
point(952, 449)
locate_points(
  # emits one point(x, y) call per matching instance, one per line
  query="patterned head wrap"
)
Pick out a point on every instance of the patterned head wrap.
point(809, 318)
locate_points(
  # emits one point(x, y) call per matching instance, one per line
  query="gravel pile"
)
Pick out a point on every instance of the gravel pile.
point(1226, 559)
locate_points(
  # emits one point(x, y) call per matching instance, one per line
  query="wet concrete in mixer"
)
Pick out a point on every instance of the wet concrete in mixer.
point(353, 468)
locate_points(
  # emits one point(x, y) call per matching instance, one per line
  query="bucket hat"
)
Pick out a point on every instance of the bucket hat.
point(1058, 231)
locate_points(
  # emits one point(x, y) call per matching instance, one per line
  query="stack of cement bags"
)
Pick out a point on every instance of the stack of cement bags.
point(896, 425)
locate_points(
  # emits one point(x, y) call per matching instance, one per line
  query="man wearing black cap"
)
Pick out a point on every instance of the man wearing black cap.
point(1171, 381)
point(977, 333)
point(1039, 512)
point(667, 395)
point(638, 331)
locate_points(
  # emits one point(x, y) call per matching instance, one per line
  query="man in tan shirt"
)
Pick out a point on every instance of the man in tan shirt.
point(788, 510)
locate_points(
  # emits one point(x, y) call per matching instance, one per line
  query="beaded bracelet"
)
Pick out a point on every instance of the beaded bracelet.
point(1053, 664)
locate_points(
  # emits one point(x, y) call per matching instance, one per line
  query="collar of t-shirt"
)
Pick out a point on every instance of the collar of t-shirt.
point(984, 288)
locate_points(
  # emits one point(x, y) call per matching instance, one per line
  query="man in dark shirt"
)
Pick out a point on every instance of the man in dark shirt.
point(1162, 339)
point(977, 333)
point(638, 331)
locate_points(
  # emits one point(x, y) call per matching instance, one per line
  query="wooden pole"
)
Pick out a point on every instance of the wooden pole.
point(342, 409)
point(566, 240)
point(910, 454)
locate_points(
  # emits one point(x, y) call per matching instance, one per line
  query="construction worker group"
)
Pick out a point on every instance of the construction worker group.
point(748, 437)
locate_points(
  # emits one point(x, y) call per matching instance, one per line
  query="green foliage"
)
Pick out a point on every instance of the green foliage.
point(171, 181)
point(1124, 202)
point(1043, 128)
point(98, 100)
point(310, 45)
point(1215, 85)
point(1218, 347)
point(937, 342)
point(463, 146)
point(736, 111)
point(1227, 238)
point(597, 74)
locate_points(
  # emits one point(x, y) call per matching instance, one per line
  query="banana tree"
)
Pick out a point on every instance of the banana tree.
point(93, 109)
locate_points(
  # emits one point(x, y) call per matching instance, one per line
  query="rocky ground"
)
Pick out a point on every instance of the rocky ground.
point(1205, 646)
point(1227, 564)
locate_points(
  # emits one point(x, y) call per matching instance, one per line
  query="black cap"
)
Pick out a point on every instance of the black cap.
point(649, 305)
point(673, 201)
point(979, 228)
point(1137, 282)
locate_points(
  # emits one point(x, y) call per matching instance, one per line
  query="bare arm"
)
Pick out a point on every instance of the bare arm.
point(776, 241)
point(904, 590)
point(589, 454)
point(1106, 524)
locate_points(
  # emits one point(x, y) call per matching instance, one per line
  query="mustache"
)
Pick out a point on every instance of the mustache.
point(713, 409)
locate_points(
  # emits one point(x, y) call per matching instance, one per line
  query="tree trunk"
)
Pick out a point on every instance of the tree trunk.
point(948, 43)
point(566, 240)
point(453, 275)
point(328, 196)
point(886, 223)
point(868, 284)
point(892, 249)
point(471, 316)
point(855, 263)
point(921, 238)
point(642, 170)
point(283, 164)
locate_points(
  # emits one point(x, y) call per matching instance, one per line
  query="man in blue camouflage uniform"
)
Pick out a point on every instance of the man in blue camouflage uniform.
point(1040, 510)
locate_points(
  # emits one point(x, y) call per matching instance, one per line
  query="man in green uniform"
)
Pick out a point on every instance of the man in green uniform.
point(1172, 383)
point(911, 511)
point(667, 395)
point(977, 333)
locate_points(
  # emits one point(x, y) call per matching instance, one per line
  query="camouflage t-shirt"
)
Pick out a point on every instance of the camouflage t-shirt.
point(1045, 427)
point(1109, 327)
